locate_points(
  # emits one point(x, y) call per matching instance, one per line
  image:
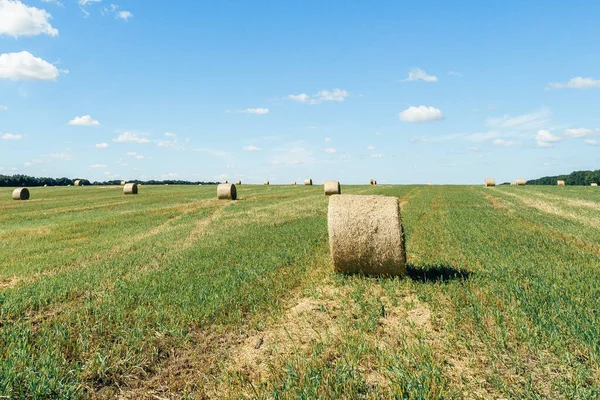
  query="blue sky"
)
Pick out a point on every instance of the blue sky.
point(403, 92)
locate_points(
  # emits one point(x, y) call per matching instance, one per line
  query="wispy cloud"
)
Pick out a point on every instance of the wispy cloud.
point(257, 111)
point(97, 166)
point(576, 83)
point(336, 95)
point(330, 150)
point(454, 73)
point(505, 143)
point(417, 74)
point(10, 136)
point(251, 148)
point(581, 132)
point(546, 139)
point(101, 146)
point(124, 15)
point(129, 137)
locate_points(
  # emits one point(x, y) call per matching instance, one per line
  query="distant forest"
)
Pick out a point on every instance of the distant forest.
point(24, 180)
point(576, 178)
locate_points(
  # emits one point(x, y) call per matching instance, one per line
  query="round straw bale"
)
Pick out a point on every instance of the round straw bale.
point(20, 194)
point(366, 235)
point(332, 187)
point(293, 183)
point(123, 183)
point(77, 182)
point(521, 182)
point(490, 182)
point(560, 183)
point(371, 182)
point(594, 184)
point(429, 184)
point(238, 182)
point(225, 181)
point(266, 183)
point(308, 182)
point(226, 191)
point(130, 188)
point(46, 185)
point(513, 184)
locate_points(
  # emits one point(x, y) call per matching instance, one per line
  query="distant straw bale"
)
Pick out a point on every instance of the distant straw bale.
point(130, 188)
point(123, 183)
point(521, 182)
point(266, 183)
point(308, 182)
point(238, 182)
point(560, 183)
point(77, 183)
point(366, 235)
point(226, 191)
point(293, 183)
point(332, 187)
point(594, 184)
point(490, 182)
point(20, 194)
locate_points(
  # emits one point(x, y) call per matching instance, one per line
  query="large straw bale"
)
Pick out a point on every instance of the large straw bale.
point(521, 182)
point(490, 182)
point(226, 191)
point(130, 188)
point(366, 235)
point(332, 187)
point(77, 183)
point(20, 194)
point(560, 183)
point(308, 182)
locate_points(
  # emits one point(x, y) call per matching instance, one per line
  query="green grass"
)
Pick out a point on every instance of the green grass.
point(172, 293)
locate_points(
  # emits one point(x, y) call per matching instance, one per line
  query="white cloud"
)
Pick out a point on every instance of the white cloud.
point(85, 120)
point(591, 142)
point(17, 19)
point(421, 114)
point(24, 66)
point(212, 152)
point(86, 2)
point(124, 15)
point(545, 139)
point(321, 96)
point(97, 166)
point(130, 137)
point(327, 140)
point(3, 108)
point(169, 134)
point(576, 83)
point(258, 111)
point(330, 150)
point(581, 132)
point(136, 155)
point(311, 127)
point(454, 73)
point(10, 136)
point(86, 13)
point(302, 98)
point(418, 74)
point(251, 148)
point(378, 155)
point(505, 143)
point(371, 148)
point(102, 146)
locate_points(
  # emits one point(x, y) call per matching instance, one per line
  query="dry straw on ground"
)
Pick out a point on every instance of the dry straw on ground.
point(226, 191)
point(130, 188)
point(594, 184)
point(77, 183)
point(490, 182)
point(266, 183)
point(20, 194)
point(332, 187)
point(521, 182)
point(308, 182)
point(560, 183)
point(366, 235)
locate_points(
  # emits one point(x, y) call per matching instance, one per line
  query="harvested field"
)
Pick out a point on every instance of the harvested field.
point(175, 294)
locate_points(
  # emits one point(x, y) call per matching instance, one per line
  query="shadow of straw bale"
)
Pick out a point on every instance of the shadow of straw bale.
point(436, 273)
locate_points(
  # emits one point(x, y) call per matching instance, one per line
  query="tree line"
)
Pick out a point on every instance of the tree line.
point(575, 178)
point(25, 180)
